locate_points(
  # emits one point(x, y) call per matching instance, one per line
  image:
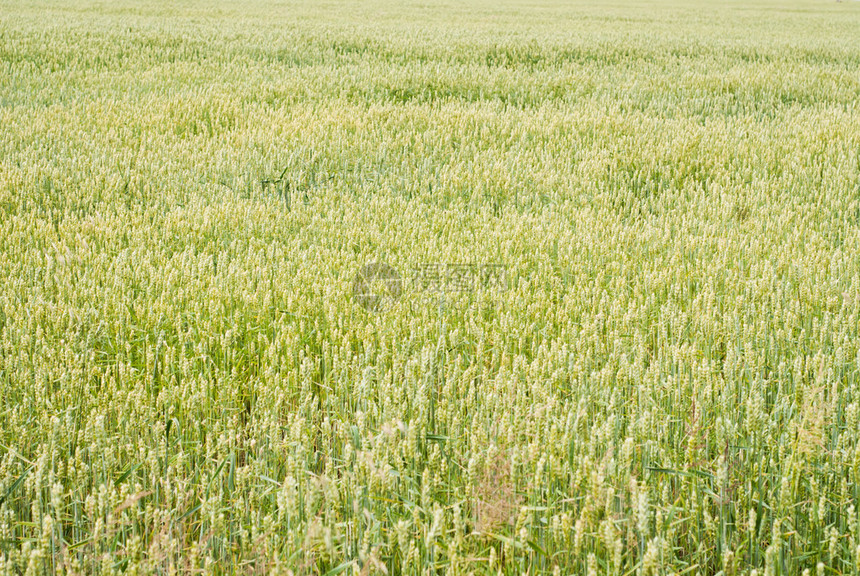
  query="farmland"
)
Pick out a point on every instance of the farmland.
point(430, 288)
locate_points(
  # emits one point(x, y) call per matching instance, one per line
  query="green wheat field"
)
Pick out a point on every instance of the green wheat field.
point(246, 325)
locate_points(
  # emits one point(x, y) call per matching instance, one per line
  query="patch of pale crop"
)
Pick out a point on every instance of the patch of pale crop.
point(666, 384)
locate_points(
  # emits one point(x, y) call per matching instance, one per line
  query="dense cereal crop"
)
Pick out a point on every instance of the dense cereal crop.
point(401, 287)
